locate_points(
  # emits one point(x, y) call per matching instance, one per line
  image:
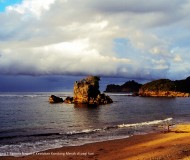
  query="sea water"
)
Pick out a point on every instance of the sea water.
point(29, 123)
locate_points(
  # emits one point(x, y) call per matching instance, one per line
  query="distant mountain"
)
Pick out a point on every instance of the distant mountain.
point(183, 85)
point(166, 88)
point(129, 87)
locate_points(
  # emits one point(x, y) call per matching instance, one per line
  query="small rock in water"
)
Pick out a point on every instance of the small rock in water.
point(69, 100)
point(55, 99)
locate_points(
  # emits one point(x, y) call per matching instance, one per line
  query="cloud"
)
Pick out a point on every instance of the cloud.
point(63, 58)
point(64, 37)
point(31, 7)
point(135, 6)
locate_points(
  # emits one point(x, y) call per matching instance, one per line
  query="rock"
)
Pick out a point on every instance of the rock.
point(69, 100)
point(148, 93)
point(103, 99)
point(135, 94)
point(113, 88)
point(87, 91)
point(100, 99)
point(55, 99)
point(165, 88)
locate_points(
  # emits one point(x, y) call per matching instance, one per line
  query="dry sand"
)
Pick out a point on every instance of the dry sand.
point(155, 146)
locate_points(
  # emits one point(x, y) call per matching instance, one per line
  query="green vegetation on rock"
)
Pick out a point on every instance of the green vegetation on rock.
point(159, 85)
point(166, 87)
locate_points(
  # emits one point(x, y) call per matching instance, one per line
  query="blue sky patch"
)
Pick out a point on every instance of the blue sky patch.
point(5, 3)
point(124, 49)
point(120, 46)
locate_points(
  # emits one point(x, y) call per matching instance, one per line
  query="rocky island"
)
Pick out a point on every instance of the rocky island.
point(156, 88)
point(129, 87)
point(166, 88)
point(86, 91)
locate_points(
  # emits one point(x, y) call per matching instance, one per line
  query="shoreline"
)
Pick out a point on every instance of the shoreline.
point(165, 145)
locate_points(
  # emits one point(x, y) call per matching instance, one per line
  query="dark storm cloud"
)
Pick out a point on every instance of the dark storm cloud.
point(137, 6)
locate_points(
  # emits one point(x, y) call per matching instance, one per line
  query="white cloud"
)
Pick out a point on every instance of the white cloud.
point(31, 7)
point(64, 37)
point(177, 58)
point(67, 57)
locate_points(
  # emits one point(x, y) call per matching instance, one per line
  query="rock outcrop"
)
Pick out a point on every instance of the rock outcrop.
point(86, 91)
point(148, 93)
point(55, 99)
point(69, 100)
point(129, 87)
point(100, 99)
point(165, 88)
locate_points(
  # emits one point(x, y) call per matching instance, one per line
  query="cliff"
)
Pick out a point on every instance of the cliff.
point(166, 88)
point(183, 85)
point(148, 93)
point(130, 86)
point(86, 91)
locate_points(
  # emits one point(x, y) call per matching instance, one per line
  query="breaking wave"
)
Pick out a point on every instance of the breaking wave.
point(90, 131)
point(71, 138)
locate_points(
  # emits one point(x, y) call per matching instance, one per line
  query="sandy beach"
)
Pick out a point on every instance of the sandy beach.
point(155, 146)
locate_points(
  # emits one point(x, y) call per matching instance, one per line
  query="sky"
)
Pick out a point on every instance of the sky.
point(65, 39)
point(5, 3)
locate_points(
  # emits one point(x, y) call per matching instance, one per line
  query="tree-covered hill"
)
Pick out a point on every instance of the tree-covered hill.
point(129, 87)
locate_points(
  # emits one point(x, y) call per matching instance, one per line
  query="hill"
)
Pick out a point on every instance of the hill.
point(166, 88)
point(129, 87)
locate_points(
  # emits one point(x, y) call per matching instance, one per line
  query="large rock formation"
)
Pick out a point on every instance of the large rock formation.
point(183, 85)
point(129, 87)
point(86, 91)
point(166, 88)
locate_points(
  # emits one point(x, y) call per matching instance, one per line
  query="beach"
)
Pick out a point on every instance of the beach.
point(171, 145)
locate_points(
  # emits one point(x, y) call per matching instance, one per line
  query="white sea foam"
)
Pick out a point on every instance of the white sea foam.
point(83, 131)
point(145, 123)
point(25, 149)
point(33, 147)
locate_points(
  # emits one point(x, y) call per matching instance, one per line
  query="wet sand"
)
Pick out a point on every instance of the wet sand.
point(171, 145)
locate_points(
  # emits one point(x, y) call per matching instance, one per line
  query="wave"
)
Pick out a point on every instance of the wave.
point(85, 131)
point(148, 123)
point(70, 133)
point(32, 135)
point(145, 123)
point(66, 139)
point(91, 131)
point(28, 148)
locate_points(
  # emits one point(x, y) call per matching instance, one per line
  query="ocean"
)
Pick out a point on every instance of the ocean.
point(29, 123)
